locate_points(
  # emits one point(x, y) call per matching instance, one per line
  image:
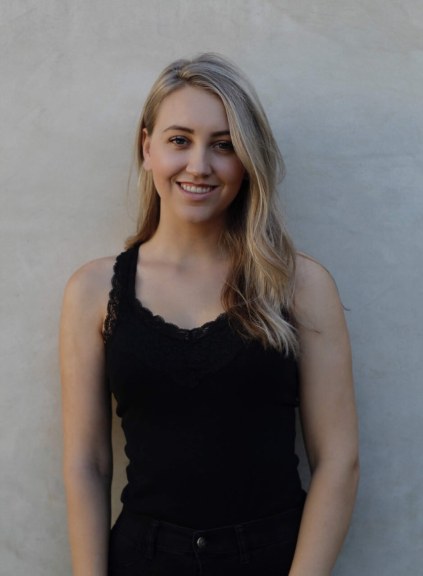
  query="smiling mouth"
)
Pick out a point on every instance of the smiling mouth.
point(195, 188)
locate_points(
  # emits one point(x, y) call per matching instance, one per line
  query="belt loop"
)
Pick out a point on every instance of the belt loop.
point(241, 544)
point(151, 539)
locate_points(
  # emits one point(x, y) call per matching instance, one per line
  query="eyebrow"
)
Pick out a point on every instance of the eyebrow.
point(191, 131)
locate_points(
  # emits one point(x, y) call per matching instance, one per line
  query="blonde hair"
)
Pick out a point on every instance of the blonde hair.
point(258, 293)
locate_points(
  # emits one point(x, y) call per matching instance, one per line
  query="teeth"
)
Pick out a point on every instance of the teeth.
point(196, 189)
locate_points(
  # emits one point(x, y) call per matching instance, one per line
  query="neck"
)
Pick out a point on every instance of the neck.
point(188, 243)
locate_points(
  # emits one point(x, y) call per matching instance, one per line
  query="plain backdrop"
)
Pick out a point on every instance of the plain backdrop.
point(342, 83)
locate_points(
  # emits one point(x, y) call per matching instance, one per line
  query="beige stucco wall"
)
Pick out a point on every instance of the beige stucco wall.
point(342, 82)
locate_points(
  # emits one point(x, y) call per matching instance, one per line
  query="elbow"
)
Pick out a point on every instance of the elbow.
point(342, 472)
point(355, 471)
point(349, 479)
point(87, 472)
point(351, 465)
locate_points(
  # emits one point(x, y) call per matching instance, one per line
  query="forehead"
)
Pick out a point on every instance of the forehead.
point(194, 108)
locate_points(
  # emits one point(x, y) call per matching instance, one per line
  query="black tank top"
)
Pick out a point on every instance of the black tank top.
point(209, 418)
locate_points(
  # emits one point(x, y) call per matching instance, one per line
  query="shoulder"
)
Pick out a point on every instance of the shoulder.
point(316, 298)
point(92, 276)
point(88, 288)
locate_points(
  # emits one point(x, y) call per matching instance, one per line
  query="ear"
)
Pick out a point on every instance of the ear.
point(146, 141)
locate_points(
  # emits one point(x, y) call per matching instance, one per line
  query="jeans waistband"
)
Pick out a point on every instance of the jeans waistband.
point(242, 537)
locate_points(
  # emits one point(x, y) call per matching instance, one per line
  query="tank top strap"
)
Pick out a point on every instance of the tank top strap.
point(123, 289)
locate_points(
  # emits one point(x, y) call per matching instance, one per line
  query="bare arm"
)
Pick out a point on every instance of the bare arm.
point(87, 463)
point(328, 419)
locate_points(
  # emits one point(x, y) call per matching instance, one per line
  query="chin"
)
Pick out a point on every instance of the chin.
point(205, 218)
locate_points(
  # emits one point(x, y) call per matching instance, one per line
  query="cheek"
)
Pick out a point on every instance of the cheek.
point(164, 165)
point(235, 172)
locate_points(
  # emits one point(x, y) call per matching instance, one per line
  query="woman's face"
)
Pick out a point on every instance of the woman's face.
point(190, 154)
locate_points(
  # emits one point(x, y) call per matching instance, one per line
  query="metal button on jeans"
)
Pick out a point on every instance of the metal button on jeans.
point(201, 542)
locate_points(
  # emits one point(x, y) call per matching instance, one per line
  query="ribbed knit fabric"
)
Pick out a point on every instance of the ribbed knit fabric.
point(209, 419)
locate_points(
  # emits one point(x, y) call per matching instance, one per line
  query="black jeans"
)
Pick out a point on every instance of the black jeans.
point(143, 546)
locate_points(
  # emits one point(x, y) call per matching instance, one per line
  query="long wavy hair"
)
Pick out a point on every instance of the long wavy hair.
point(258, 293)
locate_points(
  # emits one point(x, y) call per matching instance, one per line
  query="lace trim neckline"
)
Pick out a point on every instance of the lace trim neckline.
point(174, 329)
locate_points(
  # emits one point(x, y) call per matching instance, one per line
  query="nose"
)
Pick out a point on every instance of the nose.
point(199, 162)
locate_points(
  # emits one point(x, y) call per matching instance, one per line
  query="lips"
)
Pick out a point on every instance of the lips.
point(196, 188)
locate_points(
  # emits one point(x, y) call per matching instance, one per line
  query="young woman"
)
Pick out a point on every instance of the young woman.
point(209, 329)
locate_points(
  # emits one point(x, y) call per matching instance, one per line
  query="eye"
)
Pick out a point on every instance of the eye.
point(178, 140)
point(224, 146)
